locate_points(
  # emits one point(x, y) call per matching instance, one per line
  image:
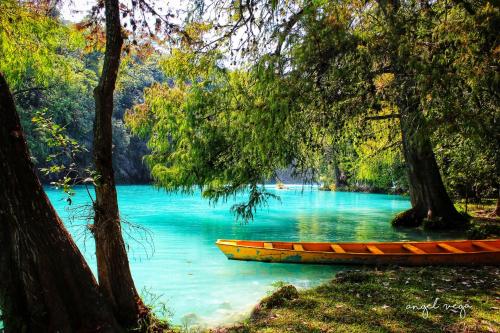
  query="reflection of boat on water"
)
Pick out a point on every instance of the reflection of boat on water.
point(463, 252)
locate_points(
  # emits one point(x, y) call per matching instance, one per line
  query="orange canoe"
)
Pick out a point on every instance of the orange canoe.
point(461, 252)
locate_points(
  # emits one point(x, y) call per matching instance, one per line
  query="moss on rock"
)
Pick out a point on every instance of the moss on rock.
point(408, 218)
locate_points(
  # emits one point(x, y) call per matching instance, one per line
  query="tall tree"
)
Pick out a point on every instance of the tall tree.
point(45, 283)
point(326, 68)
point(429, 198)
point(436, 85)
point(115, 278)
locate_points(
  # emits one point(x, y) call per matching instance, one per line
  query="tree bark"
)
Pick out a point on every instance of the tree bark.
point(115, 278)
point(45, 283)
point(428, 195)
point(340, 181)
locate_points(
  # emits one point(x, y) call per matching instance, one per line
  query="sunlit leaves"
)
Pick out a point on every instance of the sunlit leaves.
point(203, 129)
point(32, 46)
point(63, 151)
point(337, 87)
point(383, 81)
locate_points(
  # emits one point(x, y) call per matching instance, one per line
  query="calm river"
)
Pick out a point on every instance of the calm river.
point(176, 259)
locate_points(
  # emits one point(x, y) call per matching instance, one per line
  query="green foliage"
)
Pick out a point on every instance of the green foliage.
point(382, 300)
point(483, 230)
point(468, 164)
point(159, 317)
point(54, 135)
point(376, 161)
point(202, 130)
point(57, 122)
point(53, 76)
point(63, 152)
point(321, 97)
point(278, 284)
point(406, 219)
point(281, 296)
point(305, 97)
point(61, 146)
point(45, 67)
point(33, 46)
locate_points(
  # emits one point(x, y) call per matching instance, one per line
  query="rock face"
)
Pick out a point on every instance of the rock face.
point(287, 176)
point(129, 164)
point(77, 118)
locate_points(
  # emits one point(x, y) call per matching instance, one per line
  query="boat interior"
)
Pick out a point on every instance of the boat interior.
point(437, 247)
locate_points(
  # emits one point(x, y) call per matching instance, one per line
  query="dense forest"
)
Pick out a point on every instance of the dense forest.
point(69, 105)
point(359, 151)
point(396, 95)
point(382, 96)
point(365, 156)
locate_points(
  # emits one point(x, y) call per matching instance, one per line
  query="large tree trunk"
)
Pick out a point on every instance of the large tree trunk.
point(115, 278)
point(45, 283)
point(428, 195)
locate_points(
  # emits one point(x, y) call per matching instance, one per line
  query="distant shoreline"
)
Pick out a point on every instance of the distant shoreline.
point(292, 185)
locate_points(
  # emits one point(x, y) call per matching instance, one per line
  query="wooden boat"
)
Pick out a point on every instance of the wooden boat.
point(461, 252)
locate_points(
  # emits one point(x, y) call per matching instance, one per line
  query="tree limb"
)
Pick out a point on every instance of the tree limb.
point(27, 90)
point(287, 28)
point(385, 116)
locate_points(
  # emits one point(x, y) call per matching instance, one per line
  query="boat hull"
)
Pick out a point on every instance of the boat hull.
point(236, 250)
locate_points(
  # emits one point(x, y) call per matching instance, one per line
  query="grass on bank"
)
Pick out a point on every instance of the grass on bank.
point(482, 209)
point(483, 223)
point(389, 300)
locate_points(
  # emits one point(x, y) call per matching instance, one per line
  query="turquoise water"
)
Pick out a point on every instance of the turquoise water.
point(178, 259)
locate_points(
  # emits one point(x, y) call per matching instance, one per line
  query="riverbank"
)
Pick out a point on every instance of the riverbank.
point(429, 299)
point(483, 224)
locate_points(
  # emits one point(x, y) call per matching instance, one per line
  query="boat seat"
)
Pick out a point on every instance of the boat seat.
point(485, 247)
point(337, 248)
point(414, 249)
point(268, 245)
point(373, 249)
point(449, 248)
point(298, 247)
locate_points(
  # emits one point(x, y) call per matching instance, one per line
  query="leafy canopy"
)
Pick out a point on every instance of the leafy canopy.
point(33, 46)
point(338, 69)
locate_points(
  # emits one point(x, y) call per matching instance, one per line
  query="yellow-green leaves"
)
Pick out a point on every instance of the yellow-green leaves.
point(186, 67)
point(33, 46)
point(383, 81)
point(215, 128)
